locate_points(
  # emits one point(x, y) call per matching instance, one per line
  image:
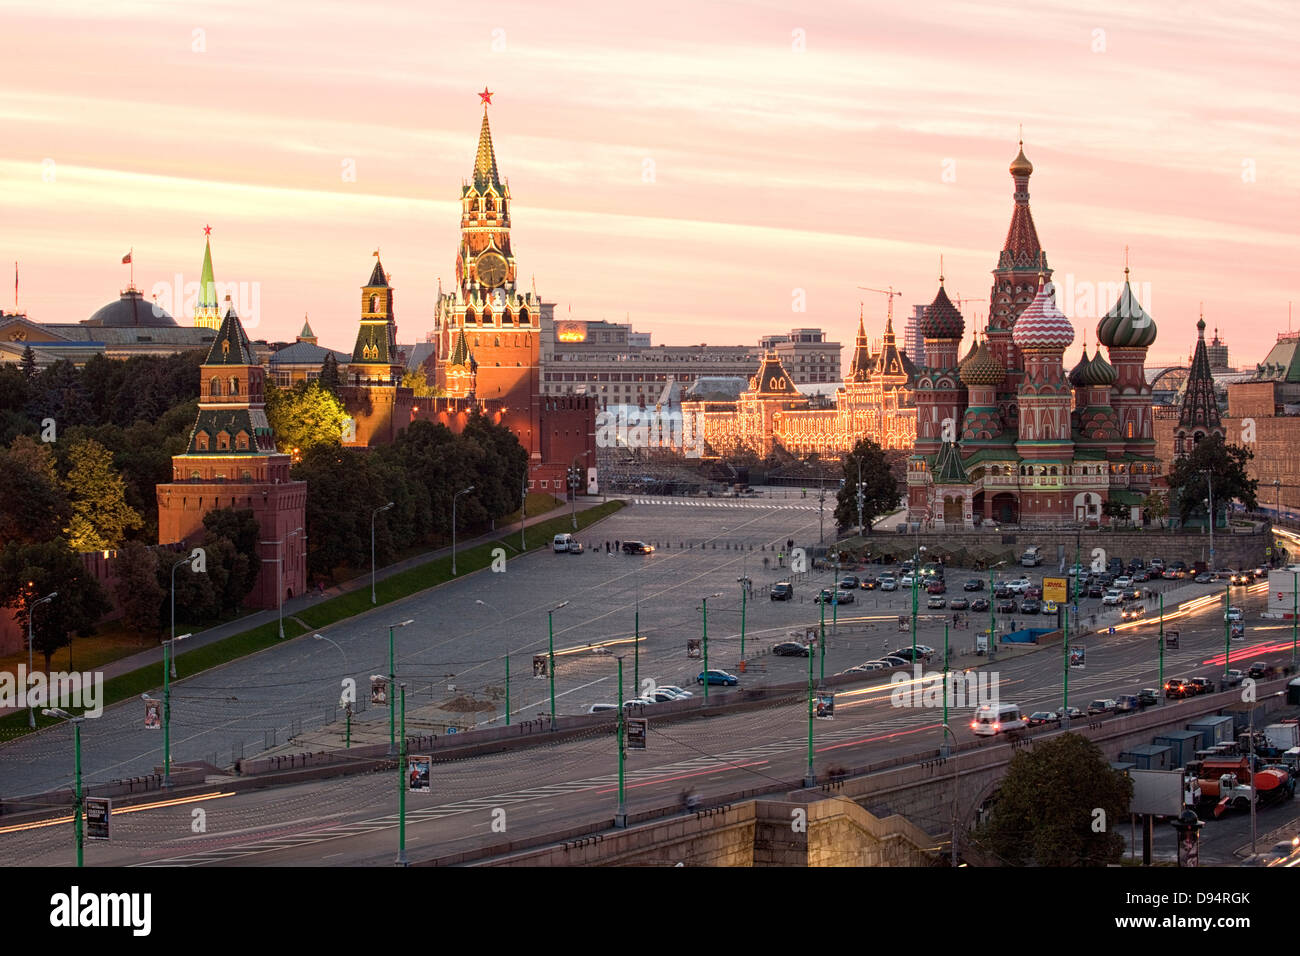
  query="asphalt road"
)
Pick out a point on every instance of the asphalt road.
point(536, 791)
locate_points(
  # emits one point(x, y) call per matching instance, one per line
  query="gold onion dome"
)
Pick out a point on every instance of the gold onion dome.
point(1021, 166)
point(981, 368)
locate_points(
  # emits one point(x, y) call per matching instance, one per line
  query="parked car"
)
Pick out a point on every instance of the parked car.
point(936, 587)
point(1157, 564)
point(1105, 705)
point(907, 579)
point(1007, 607)
point(873, 666)
point(1020, 585)
point(637, 547)
point(575, 547)
point(790, 649)
point(935, 603)
point(1233, 614)
point(718, 677)
point(1112, 598)
point(1001, 592)
point(602, 708)
point(1123, 581)
point(905, 654)
point(1041, 717)
point(888, 583)
point(1034, 593)
point(1071, 712)
point(959, 604)
point(849, 582)
point(1030, 607)
point(844, 597)
point(979, 604)
point(1234, 678)
point(1126, 703)
point(664, 695)
point(973, 584)
point(1259, 669)
point(639, 702)
point(1176, 688)
point(1205, 577)
point(1203, 685)
point(893, 661)
point(1148, 697)
point(673, 688)
point(782, 591)
point(1095, 591)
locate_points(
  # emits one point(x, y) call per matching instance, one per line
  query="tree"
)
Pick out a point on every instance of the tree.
point(1047, 809)
point(1115, 510)
point(1156, 507)
point(101, 517)
point(139, 594)
point(30, 571)
point(417, 380)
point(241, 561)
point(1226, 467)
point(33, 506)
point(304, 416)
point(880, 494)
point(28, 364)
point(329, 374)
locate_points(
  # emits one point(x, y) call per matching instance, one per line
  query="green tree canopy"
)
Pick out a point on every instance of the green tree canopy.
point(1046, 811)
point(33, 505)
point(880, 492)
point(139, 594)
point(304, 416)
point(31, 571)
point(329, 374)
point(101, 518)
point(1212, 461)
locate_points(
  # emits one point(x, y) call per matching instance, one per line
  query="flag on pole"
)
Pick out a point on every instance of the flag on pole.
point(126, 258)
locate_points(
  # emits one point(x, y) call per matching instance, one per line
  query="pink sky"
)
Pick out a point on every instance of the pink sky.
point(1173, 130)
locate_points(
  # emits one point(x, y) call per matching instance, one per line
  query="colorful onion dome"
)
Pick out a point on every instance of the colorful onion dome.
point(1042, 326)
point(1100, 372)
point(1126, 325)
point(941, 319)
point(1020, 166)
point(1077, 373)
point(981, 368)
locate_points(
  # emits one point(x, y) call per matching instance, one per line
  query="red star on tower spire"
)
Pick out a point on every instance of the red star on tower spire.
point(207, 230)
point(485, 97)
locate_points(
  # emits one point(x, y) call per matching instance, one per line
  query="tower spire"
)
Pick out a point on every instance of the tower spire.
point(485, 161)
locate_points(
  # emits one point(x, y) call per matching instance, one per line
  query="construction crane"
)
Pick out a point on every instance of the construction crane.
point(891, 292)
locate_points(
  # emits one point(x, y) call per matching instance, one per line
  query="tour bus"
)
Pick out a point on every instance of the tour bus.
point(991, 719)
point(561, 542)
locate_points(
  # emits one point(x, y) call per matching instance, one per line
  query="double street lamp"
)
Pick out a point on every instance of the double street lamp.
point(704, 607)
point(77, 798)
point(167, 706)
point(373, 598)
point(31, 641)
point(392, 681)
point(454, 499)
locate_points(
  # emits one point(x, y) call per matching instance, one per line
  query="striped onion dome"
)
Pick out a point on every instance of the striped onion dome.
point(1100, 372)
point(942, 320)
point(1126, 325)
point(1042, 326)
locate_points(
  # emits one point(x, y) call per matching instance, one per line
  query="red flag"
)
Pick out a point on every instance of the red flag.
point(126, 258)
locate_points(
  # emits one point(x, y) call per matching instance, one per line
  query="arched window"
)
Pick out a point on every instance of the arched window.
point(374, 303)
point(223, 441)
point(234, 386)
point(214, 386)
point(1130, 430)
point(241, 441)
point(194, 475)
point(201, 441)
point(470, 316)
point(497, 341)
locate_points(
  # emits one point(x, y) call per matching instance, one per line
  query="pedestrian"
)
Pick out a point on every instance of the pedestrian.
point(607, 547)
point(616, 547)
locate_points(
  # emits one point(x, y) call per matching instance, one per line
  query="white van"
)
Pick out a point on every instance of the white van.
point(561, 543)
point(991, 719)
point(1032, 558)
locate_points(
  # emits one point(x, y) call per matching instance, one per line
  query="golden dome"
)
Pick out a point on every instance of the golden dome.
point(1020, 166)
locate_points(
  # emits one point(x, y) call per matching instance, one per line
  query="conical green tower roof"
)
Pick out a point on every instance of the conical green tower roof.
point(485, 162)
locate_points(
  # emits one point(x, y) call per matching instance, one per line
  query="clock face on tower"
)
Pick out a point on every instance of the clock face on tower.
point(491, 268)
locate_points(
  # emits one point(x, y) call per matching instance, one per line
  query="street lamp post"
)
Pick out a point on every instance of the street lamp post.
point(1277, 490)
point(453, 526)
point(1227, 628)
point(31, 642)
point(947, 731)
point(550, 663)
point(1209, 503)
point(1294, 615)
point(1161, 638)
point(77, 803)
point(167, 708)
point(573, 496)
point(861, 498)
point(392, 681)
point(810, 779)
point(620, 818)
point(704, 606)
point(992, 606)
point(373, 598)
point(402, 765)
point(185, 560)
point(279, 577)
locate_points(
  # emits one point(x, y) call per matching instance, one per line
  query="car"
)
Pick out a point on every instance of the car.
point(1261, 572)
point(1040, 717)
point(872, 666)
point(663, 695)
point(894, 661)
point(1020, 585)
point(1030, 607)
point(868, 583)
point(1176, 688)
point(1157, 564)
point(1233, 678)
point(1148, 697)
point(979, 604)
point(639, 702)
point(888, 584)
point(1076, 570)
point(1259, 669)
point(1050, 607)
point(575, 547)
point(1123, 581)
point(959, 604)
point(1203, 685)
point(602, 708)
point(1071, 712)
point(973, 584)
point(849, 582)
point(936, 602)
point(1104, 705)
point(637, 547)
point(844, 597)
point(936, 587)
point(718, 677)
point(782, 591)
point(925, 649)
point(1095, 591)
point(1126, 703)
point(907, 579)
point(1133, 613)
point(1112, 598)
point(1141, 577)
point(790, 649)
point(1179, 565)
point(1001, 592)
point(1007, 607)
point(560, 543)
point(905, 654)
point(1205, 577)
point(1240, 578)
point(1133, 594)
point(1106, 580)
point(674, 689)
point(1233, 614)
